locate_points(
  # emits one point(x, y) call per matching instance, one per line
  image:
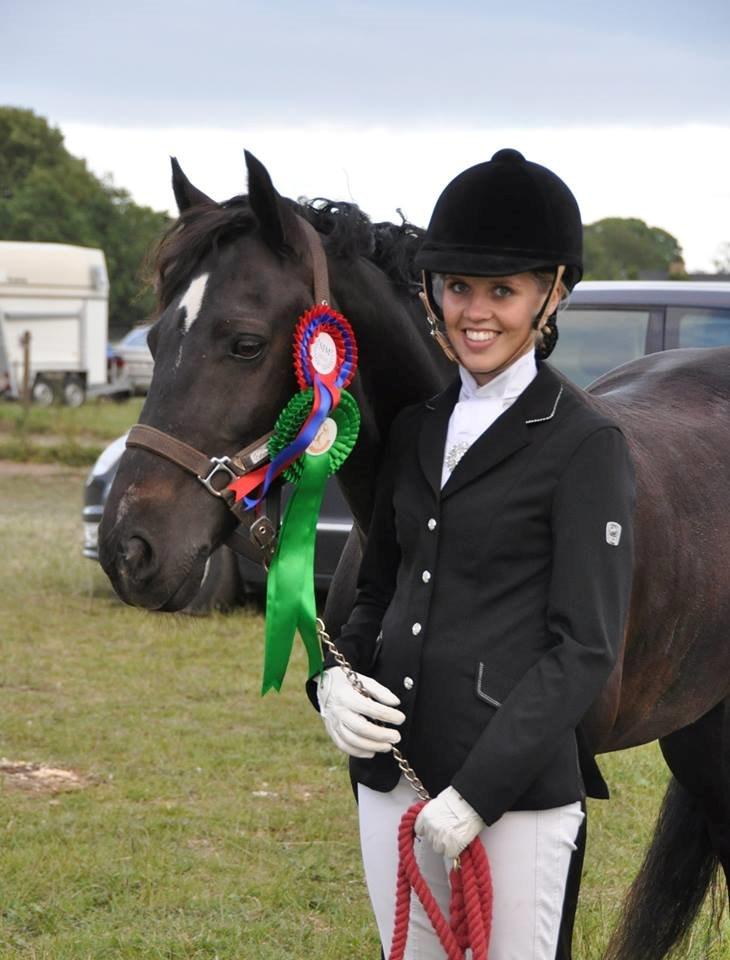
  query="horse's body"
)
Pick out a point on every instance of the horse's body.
point(223, 372)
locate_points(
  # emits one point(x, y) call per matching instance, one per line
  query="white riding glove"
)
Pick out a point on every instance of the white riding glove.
point(448, 823)
point(347, 714)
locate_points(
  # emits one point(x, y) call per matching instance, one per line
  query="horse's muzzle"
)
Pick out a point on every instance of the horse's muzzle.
point(135, 569)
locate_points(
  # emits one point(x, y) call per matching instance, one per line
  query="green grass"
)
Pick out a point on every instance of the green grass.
point(213, 823)
point(64, 435)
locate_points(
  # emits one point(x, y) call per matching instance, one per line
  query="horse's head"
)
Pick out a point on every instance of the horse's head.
point(232, 280)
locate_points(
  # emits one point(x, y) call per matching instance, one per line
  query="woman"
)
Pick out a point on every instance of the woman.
point(495, 584)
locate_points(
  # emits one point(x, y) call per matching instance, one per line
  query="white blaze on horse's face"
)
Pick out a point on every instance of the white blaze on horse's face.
point(192, 300)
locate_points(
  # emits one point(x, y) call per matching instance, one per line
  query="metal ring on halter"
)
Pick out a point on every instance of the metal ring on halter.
point(221, 465)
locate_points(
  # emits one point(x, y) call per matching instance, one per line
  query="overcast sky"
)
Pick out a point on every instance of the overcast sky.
point(385, 102)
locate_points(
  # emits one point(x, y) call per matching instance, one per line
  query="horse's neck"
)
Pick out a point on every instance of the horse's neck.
point(398, 365)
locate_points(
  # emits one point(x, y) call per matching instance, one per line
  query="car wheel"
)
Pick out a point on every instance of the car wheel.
point(42, 392)
point(221, 584)
point(74, 392)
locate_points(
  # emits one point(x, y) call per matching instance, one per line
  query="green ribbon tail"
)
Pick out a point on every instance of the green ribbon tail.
point(290, 601)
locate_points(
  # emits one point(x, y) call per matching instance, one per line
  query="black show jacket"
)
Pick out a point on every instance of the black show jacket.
point(495, 608)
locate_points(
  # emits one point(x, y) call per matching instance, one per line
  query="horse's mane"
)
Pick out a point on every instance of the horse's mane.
point(349, 231)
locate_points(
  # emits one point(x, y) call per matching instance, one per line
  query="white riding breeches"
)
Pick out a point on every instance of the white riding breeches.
point(529, 856)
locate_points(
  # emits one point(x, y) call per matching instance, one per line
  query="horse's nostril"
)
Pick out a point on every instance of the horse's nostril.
point(137, 558)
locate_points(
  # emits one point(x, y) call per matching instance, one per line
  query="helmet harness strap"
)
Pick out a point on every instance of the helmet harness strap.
point(433, 321)
point(442, 340)
point(559, 271)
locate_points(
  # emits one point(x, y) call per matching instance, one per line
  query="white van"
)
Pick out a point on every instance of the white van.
point(59, 295)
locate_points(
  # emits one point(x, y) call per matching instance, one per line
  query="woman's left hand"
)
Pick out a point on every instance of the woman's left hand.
point(449, 823)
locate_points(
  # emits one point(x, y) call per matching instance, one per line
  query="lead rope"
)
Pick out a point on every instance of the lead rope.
point(470, 909)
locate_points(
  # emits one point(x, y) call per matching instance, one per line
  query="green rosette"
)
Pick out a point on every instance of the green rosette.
point(290, 601)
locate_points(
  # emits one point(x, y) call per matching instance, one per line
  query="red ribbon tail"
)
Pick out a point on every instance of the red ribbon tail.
point(244, 485)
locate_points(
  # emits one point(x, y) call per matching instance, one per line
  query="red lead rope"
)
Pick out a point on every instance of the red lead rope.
point(470, 921)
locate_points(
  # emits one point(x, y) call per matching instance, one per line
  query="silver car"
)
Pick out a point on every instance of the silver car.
point(138, 362)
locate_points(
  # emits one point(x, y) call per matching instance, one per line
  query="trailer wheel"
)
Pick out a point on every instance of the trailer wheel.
point(42, 392)
point(74, 392)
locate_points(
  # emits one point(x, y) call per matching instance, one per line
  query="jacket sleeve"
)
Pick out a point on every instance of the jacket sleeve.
point(378, 571)
point(590, 584)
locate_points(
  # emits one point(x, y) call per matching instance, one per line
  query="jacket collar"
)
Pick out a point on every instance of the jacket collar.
point(536, 405)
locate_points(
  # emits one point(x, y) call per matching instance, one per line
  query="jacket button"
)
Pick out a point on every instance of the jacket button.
point(408, 683)
point(431, 524)
point(416, 629)
point(425, 576)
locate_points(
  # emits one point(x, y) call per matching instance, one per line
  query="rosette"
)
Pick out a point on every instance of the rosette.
point(325, 360)
point(290, 600)
point(313, 436)
point(294, 415)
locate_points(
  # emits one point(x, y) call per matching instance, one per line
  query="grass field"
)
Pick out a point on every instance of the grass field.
point(205, 822)
point(57, 434)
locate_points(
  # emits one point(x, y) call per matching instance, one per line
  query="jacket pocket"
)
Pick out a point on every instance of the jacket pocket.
point(491, 686)
point(376, 651)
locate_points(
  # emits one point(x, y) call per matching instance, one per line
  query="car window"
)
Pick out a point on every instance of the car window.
point(593, 341)
point(136, 338)
point(701, 327)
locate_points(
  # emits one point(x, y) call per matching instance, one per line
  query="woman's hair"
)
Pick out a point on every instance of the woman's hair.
point(545, 281)
point(547, 338)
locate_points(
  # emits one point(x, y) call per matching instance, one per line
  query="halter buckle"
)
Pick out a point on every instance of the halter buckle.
point(263, 533)
point(221, 466)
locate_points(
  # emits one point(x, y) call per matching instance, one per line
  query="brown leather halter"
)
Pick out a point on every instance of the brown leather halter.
point(255, 537)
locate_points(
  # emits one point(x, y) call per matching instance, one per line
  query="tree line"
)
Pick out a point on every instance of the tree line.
point(49, 195)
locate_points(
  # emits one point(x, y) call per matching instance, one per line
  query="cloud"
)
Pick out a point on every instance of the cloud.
point(652, 173)
point(231, 64)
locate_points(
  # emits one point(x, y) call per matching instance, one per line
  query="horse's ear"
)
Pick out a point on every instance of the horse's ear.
point(186, 195)
point(276, 220)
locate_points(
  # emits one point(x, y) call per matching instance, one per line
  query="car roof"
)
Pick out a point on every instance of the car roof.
point(136, 335)
point(680, 293)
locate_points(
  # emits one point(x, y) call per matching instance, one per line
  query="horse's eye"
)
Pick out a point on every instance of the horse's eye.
point(247, 347)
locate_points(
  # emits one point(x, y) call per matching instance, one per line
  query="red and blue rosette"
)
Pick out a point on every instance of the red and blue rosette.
point(325, 358)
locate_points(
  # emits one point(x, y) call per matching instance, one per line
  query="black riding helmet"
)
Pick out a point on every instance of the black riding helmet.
point(501, 217)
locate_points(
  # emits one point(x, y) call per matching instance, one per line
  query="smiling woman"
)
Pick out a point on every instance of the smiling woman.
point(490, 321)
point(495, 582)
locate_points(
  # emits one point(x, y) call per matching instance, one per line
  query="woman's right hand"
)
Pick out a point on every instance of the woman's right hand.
point(348, 715)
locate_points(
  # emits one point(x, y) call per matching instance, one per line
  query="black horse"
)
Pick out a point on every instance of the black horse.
point(232, 280)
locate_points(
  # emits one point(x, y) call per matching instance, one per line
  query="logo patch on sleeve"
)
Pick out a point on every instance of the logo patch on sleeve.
point(613, 533)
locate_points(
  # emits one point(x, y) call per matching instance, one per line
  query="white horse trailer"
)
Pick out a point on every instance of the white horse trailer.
point(59, 295)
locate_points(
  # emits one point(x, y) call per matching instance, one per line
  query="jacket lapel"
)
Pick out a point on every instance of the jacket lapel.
point(432, 436)
point(509, 433)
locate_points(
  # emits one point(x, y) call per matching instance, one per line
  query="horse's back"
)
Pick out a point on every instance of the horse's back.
point(694, 375)
point(674, 409)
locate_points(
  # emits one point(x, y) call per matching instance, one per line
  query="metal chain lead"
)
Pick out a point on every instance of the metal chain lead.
point(406, 769)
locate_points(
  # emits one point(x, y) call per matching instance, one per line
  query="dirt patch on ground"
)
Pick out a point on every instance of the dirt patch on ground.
point(38, 778)
point(11, 468)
